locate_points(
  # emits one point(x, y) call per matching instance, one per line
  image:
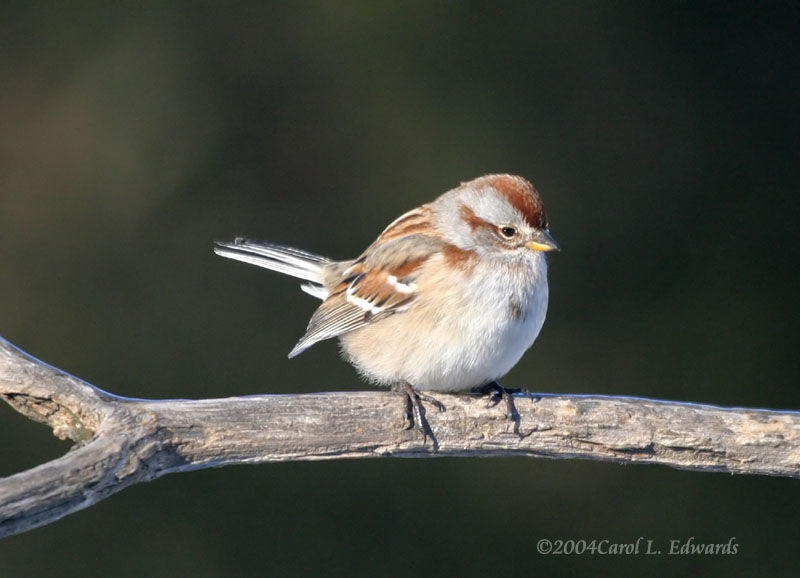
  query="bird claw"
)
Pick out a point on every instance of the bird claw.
point(499, 393)
point(415, 411)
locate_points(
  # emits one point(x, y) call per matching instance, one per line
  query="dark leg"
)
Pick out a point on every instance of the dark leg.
point(499, 393)
point(416, 411)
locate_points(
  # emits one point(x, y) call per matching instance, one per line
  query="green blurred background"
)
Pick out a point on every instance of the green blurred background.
point(664, 140)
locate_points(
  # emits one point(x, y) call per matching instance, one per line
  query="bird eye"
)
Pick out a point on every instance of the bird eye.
point(508, 232)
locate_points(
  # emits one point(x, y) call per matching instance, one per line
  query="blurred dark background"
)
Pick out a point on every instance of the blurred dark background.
point(664, 140)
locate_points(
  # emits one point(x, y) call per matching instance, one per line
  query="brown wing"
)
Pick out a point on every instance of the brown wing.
point(379, 283)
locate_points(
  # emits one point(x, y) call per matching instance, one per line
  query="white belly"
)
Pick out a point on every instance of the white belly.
point(485, 329)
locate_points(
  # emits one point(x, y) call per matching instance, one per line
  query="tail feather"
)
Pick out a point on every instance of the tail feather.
point(287, 260)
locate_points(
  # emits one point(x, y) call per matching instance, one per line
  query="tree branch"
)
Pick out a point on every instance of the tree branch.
point(122, 441)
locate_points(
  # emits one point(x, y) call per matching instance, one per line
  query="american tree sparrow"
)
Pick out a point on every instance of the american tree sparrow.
point(447, 298)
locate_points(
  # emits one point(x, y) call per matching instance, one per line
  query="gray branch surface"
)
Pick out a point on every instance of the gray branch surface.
point(122, 441)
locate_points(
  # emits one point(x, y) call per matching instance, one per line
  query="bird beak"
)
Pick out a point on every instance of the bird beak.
point(542, 240)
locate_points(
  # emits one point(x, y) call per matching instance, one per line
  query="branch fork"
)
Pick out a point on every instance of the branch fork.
point(121, 441)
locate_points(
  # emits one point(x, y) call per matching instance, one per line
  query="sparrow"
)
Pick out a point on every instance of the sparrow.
point(448, 297)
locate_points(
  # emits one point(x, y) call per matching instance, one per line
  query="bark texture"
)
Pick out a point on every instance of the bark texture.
point(121, 441)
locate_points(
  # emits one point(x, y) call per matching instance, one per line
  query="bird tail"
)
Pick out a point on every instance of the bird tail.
point(287, 260)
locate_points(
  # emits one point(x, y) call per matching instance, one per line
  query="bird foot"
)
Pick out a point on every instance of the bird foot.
point(499, 393)
point(415, 411)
